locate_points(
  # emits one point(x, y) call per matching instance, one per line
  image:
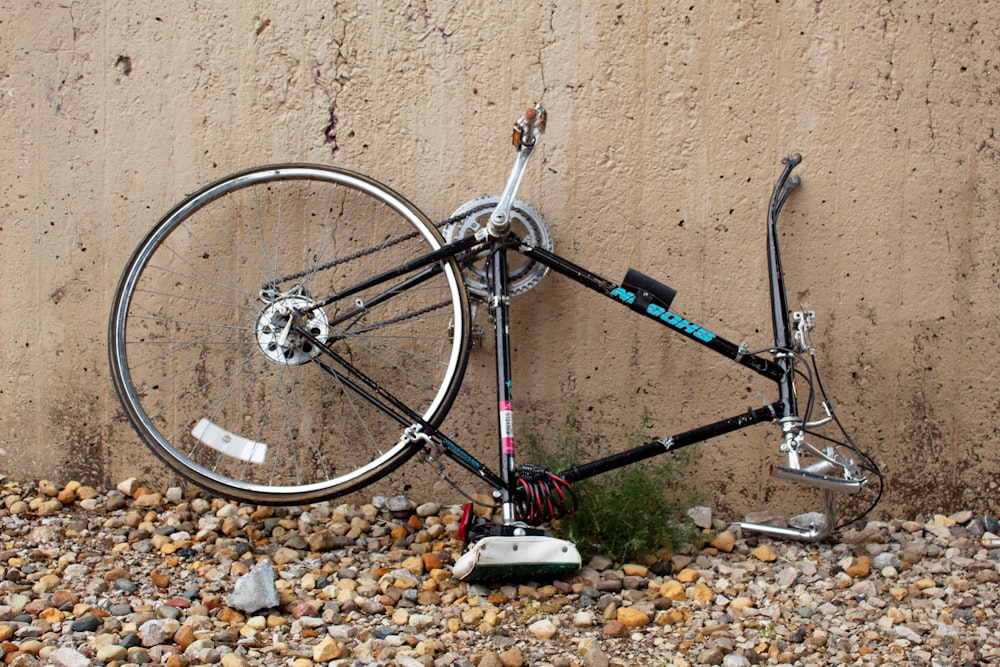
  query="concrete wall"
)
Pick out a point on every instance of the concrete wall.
point(667, 121)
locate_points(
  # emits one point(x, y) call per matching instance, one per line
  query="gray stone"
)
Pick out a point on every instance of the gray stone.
point(735, 660)
point(87, 623)
point(153, 633)
point(886, 559)
point(595, 657)
point(255, 590)
point(712, 656)
point(787, 577)
point(125, 586)
point(399, 504)
point(428, 509)
point(67, 657)
point(701, 516)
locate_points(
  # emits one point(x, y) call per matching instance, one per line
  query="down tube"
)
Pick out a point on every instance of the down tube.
point(667, 318)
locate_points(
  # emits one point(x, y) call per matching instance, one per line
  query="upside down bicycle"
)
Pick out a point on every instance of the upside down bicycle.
point(294, 332)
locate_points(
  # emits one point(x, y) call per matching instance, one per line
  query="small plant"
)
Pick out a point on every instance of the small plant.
point(626, 513)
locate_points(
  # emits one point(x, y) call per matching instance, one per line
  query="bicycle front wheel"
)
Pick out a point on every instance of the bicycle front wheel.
point(224, 343)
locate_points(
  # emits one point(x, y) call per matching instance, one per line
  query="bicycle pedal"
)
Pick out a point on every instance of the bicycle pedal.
point(818, 480)
point(507, 557)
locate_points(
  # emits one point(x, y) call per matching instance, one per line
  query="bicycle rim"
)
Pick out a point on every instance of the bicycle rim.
point(218, 384)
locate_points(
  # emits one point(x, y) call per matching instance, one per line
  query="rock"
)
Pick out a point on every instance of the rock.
point(157, 631)
point(595, 657)
point(328, 649)
point(543, 629)
point(284, 556)
point(634, 570)
point(712, 656)
point(48, 488)
point(148, 499)
point(632, 617)
point(764, 553)
point(735, 660)
point(615, 628)
point(428, 509)
point(688, 575)
point(601, 563)
point(673, 590)
point(432, 561)
point(322, 540)
point(111, 652)
point(87, 623)
point(490, 659)
point(724, 541)
point(399, 505)
point(234, 660)
point(740, 603)
point(414, 565)
point(818, 638)
point(128, 486)
point(787, 576)
point(702, 593)
point(512, 658)
point(701, 516)
point(860, 567)
point(68, 657)
point(255, 590)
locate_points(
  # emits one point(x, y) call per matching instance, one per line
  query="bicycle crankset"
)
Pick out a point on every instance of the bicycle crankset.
point(526, 223)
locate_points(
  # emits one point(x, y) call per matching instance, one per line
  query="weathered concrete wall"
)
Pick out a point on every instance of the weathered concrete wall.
point(667, 123)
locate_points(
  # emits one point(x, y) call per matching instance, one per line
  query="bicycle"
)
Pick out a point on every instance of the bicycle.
point(292, 333)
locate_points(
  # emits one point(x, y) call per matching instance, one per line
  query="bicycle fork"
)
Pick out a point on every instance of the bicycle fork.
point(829, 474)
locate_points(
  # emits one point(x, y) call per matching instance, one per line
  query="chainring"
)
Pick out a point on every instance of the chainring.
point(526, 223)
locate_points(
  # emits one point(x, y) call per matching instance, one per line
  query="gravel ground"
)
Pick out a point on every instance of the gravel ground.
point(145, 576)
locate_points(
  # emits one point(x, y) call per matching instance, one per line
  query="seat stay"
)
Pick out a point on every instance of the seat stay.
point(411, 422)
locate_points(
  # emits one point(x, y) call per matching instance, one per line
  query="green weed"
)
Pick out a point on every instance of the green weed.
point(624, 514)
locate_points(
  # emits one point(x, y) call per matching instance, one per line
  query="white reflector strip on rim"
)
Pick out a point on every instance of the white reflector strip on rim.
point(228, 443)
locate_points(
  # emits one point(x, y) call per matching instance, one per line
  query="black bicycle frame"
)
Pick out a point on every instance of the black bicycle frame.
point(642, 295)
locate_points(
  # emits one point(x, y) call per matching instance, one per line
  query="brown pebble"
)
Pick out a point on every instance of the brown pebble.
point(615, 629)
point(512, 658)
point(184, 637)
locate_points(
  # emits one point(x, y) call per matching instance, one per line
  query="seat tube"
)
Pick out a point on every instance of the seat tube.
point(500, 304)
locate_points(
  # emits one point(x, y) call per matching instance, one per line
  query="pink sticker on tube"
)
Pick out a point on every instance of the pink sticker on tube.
point(506, 427)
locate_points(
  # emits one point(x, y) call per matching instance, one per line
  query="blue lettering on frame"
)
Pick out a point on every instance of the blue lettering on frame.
point(666, 316)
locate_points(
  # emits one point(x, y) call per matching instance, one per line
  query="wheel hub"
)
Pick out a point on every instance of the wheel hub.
point(277, 327)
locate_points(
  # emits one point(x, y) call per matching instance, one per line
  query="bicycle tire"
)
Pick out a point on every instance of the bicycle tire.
point(220, 388)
